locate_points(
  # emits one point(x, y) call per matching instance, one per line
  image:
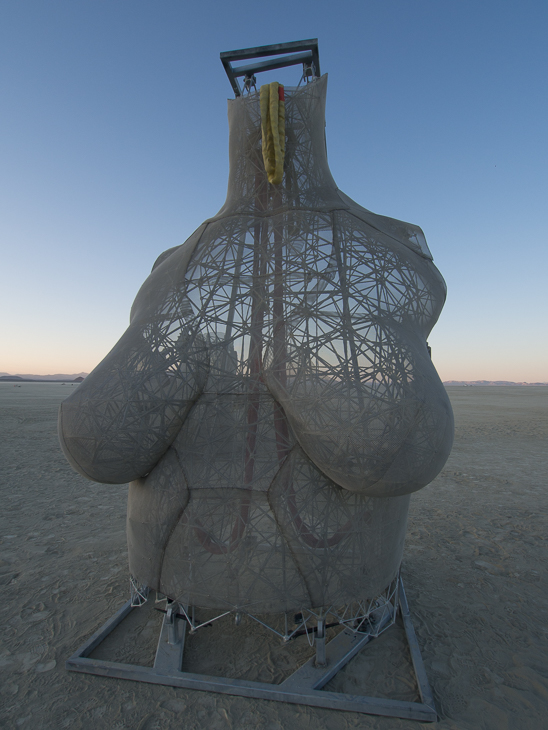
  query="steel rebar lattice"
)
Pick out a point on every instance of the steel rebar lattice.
point(273, 402)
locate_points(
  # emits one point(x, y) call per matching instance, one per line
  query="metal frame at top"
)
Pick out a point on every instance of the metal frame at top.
point(305, 52)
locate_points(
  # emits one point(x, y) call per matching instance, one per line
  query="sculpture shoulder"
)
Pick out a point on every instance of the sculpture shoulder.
point(166, 254)
point(409, 234)
point(187, 247)
point(169, 269)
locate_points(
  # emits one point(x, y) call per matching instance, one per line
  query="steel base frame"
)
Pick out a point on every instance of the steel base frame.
point(303, 687)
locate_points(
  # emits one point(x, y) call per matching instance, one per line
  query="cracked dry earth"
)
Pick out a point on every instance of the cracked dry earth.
point(473, 567)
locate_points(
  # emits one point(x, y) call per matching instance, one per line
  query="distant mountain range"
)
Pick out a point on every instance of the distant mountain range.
point(486, 382)
point(80, 376)
point(63, 377)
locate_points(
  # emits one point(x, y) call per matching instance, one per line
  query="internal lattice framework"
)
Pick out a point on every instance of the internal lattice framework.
point(273, 400)
point(371, 617)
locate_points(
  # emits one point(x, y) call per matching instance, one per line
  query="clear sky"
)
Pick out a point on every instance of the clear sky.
point(113, 148)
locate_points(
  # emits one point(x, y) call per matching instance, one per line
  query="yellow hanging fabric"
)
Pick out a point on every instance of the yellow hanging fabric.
point(273, 130)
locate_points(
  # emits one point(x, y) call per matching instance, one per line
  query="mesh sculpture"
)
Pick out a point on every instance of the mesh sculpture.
point(273, 402)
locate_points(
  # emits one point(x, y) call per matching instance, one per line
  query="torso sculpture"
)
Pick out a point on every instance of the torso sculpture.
point(273, 402)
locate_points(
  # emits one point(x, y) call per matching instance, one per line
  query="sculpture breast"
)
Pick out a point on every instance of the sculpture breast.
point(273, 402)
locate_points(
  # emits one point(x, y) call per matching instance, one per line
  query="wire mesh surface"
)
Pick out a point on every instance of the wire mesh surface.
point(273, 402)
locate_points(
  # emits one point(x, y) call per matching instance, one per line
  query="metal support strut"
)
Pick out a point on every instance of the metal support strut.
point(320, 643)
point(305, 686)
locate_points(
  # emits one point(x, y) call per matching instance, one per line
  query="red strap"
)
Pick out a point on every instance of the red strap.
point(281, 93)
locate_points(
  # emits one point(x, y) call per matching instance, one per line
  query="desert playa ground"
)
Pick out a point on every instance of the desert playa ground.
point(473, 566)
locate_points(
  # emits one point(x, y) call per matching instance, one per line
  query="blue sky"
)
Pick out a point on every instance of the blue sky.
point(113, 148)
